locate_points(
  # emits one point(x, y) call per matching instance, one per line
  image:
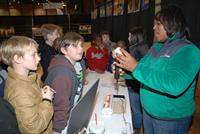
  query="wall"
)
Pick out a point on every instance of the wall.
point(191, 11)
point(118, 26)
point(23, 24)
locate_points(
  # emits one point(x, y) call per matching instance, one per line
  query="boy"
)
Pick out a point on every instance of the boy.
point(3, 76)
point(107, 42)
point(33, 106)
point(50, 32)
point(97, 55)
point(120, 44)
point(63, 78)
point(8, 121)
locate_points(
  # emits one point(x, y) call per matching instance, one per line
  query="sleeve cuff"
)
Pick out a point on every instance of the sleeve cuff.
point(45, 99)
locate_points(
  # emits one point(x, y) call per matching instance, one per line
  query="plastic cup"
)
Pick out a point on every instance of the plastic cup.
point(97, 128)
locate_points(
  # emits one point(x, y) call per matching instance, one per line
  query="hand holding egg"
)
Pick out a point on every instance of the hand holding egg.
point(116, 51)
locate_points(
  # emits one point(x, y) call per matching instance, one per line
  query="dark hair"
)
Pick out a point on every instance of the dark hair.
point(173, 20)
point(70, 38)
point(96, 36)
point(137, 35)
point(104, 32)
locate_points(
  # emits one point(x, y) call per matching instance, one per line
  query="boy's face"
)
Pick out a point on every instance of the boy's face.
point(121, 45)
point(98, 41)
point(105, 38)
point(30, 59)
point(75, 52)
point(51, 37)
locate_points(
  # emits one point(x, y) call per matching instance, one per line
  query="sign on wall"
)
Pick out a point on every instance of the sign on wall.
point(133, 6)
point(53, 5)
point(85, 29)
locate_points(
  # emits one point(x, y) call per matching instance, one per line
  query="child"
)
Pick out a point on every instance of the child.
point(8, 121)
point(120, 44)
point(138, 48)
point(63, 78)
point(3, 76)
point(50, 32)
point(32, 105)
point(97, 56)
point(107, 42)
point(80, 68)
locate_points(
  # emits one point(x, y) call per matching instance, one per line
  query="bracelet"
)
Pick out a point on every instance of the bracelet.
point(45, 99)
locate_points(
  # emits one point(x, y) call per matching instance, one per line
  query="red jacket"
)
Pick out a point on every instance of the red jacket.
point(97, 58)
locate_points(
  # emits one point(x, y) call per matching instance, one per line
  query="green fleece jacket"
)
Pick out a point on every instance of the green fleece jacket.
point(168, 81)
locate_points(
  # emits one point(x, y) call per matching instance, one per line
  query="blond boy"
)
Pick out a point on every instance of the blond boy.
point(32, 105)
point(50, 32)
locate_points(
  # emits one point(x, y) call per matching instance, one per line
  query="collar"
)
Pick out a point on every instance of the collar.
point(30, 78)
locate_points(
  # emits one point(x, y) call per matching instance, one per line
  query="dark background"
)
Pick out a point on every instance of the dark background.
point(118, 26)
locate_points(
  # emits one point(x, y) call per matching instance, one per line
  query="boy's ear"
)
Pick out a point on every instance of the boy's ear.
point(63, 50)
point(17, 58)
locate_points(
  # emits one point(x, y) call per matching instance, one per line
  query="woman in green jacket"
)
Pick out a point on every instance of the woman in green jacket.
point(167, 75)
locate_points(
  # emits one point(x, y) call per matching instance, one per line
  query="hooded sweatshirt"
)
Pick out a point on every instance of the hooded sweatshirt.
point(62, 78)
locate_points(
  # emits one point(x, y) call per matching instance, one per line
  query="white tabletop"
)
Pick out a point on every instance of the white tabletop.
point(115, 123)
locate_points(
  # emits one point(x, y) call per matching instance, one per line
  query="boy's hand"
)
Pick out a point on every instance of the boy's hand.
point(54, 132)
point(85, 82)
point(48, 92)
point(99, 71)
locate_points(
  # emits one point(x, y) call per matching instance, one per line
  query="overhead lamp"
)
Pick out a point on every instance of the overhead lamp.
point(75, 7)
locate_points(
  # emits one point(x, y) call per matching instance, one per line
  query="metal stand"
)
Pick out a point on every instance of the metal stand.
point(117, 86)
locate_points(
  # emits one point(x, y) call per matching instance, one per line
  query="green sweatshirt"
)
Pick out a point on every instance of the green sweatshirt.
point(168, 83)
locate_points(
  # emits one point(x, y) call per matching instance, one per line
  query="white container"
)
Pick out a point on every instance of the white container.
point(97, 128)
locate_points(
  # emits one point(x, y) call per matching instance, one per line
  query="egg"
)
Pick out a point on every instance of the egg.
point(118, 51)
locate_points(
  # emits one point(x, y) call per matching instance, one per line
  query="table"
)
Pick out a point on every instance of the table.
point(115, 123)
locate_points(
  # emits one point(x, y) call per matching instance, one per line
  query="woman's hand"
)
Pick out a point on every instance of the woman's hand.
point(125, 61)
point(121, 71)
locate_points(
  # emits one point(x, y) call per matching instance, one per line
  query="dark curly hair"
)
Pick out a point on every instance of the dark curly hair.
point(173, 20)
